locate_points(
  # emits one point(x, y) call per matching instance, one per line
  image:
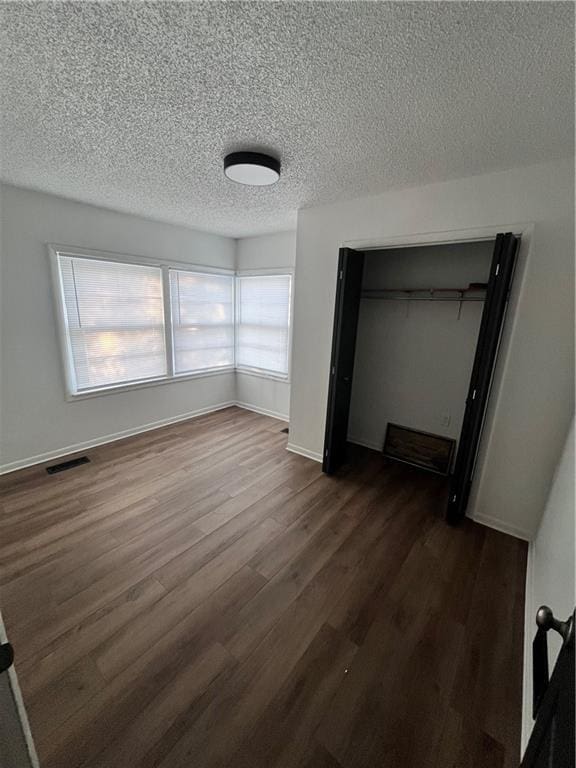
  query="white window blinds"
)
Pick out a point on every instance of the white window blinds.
point(202, 320)
point(114, 322)
point(124, 323)
point(263, 323)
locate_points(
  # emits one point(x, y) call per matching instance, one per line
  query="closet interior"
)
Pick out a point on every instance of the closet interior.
point(418, 324)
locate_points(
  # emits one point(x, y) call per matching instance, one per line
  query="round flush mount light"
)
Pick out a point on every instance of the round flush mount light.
point(252, 168)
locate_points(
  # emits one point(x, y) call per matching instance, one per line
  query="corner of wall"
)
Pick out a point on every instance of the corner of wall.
point(236, 241)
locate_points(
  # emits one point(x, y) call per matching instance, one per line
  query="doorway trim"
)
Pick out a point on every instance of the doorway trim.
point(523, 230)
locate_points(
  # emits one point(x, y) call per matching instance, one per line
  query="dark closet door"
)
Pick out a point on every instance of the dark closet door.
point(501, 272)
point(348, 293)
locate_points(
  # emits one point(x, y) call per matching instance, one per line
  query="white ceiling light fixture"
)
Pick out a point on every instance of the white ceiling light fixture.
point(252, 168)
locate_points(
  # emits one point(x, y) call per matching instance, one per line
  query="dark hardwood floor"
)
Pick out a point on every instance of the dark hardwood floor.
point(197, 596)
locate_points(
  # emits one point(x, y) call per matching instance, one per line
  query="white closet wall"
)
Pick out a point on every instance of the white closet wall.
point(414, 358)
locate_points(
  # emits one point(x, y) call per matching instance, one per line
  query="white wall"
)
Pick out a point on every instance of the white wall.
point(266, 252)
point(35, 419)
point(551, 569)
point(277, 251)
point(414, 359)
point(533, 387)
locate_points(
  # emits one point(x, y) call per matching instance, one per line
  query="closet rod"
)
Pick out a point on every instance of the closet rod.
point(470, 293)
point(472, 288)
point(424, 298)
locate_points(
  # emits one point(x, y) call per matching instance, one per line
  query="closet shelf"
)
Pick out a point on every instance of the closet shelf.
point(471, 293)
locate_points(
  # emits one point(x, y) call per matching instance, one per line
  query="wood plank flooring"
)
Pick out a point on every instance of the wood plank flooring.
point(197, 596)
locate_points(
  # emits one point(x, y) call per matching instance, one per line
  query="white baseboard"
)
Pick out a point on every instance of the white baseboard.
point(529, 630)
point(304, 452)
point(365, 443)
point(263, 411)
point(501, 525)
point(76, 447)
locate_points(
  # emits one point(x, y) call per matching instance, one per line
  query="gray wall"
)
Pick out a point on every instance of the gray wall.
point(533, 396)
point(35, 419)
point(551, 564)
point(414, 359)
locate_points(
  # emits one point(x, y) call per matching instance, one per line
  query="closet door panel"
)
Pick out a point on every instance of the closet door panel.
point(348, 294)
point(501, 272)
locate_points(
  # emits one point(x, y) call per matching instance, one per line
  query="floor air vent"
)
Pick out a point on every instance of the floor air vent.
point(67, 465)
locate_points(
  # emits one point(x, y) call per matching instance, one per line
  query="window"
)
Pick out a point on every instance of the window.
point(263, 323)
point(202, 320)
point(114, 321)
point(126, 323)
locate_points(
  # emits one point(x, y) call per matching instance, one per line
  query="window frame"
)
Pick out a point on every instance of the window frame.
point(71, 392)
point(262, 372)
point(168, 311)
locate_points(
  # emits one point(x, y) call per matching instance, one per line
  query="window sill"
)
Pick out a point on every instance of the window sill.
point(263, 375)
point(121, 388)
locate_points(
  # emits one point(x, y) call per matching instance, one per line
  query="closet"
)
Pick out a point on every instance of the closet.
point(416, 334)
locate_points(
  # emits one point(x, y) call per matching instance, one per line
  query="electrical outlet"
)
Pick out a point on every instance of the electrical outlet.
point(445, 419)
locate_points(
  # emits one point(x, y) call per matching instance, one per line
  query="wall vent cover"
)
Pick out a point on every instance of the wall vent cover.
point(67, 465)
point(422, 449)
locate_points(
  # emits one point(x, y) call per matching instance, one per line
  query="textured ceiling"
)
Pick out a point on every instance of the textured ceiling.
point(133, 105)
